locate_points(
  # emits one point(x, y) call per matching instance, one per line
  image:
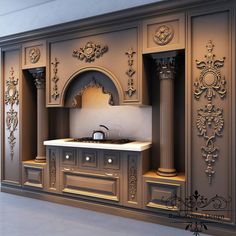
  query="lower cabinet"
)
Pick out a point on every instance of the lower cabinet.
point(163, 193)
point(34, 174)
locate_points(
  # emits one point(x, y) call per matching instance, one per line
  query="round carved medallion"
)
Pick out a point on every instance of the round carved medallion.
point(34, 55)
point(164, 34)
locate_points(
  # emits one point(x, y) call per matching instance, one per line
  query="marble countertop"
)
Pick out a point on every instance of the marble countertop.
point(131, 146)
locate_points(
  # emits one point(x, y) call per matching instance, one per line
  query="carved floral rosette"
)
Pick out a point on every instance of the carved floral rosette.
point(210, 118)
point(34, 55)
point(12, 99)
point(163, 35)
point(130, 72)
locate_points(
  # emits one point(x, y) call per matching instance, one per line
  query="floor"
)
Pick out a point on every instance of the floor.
point(21, 216)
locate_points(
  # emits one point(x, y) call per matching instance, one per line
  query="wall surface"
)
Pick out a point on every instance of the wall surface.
point(20, 16)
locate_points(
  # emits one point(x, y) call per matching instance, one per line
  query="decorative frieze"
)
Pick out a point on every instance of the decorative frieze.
point(90, 52)
point(11, 98)
point(130, 72)
point(55, 79)
point(210, 119)
point(34, 55)
point(164, 34)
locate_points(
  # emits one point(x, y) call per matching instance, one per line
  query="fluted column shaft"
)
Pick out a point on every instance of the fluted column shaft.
point(166, 69)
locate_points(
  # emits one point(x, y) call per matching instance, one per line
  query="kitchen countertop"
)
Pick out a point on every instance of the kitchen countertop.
point(131, 146)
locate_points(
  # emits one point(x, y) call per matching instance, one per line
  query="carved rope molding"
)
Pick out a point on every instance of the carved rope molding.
point(163, 35)
point(90, 52)
point(11, 98)
point(55, 79)
point(130, 72)
point(210, 119)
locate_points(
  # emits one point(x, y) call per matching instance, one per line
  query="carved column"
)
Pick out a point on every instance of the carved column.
point(166, 74)
point(42, 113)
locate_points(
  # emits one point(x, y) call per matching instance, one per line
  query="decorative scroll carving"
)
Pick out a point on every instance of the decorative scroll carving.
point(210, 120)
point(90, 52)
point(52, 170)
point(132, 175)
point(164, 34)
point(55, 79)
point(39, 77)
point(92, 84)
point(130, 72)
point(34, 55)
point(11, 98)
point(166, 68)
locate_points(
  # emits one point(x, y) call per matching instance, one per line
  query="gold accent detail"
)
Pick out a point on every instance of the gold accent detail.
point(130, 72)
point(132, 175)
point(55, 79)
point(12, 98)
point(90, 52)
point(164, 34)
point(34, 55)
point(52, 170)
point(210, 120)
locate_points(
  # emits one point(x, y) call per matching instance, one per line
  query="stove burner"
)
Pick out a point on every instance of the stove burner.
point(111, 141)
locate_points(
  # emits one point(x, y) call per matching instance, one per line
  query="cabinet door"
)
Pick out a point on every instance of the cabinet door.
point(210, 91)
point(11, 80)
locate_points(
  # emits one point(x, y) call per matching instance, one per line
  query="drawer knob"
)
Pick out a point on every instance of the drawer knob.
point(87, 158)
point(109, 160)
point(67, 157)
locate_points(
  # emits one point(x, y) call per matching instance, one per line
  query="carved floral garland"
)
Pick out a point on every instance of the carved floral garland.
point(11, 98)
point(210, 119)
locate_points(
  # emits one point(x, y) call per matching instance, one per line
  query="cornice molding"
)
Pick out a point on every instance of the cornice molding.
point(108, 19)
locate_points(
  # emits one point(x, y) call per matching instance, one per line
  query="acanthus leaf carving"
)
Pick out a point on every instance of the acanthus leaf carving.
point(55, 79)
point(90, 52)
point(132, 178)
point(210, 119)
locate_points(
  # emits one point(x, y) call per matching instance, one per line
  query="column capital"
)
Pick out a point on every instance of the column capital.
point(39, 77)
point(166, 68)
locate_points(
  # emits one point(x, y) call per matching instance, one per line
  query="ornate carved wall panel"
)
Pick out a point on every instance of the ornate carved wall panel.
point(210, 91)
point(132, 178)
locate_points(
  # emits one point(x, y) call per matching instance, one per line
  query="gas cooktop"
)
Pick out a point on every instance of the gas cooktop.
point(111, 141)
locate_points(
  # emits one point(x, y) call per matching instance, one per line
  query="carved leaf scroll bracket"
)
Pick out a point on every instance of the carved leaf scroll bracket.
point(210, 119)
point(11, 98)
point(130, 72)
point(90, 52)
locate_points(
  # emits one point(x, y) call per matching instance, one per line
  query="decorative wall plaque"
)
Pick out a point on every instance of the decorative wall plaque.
point(90, 52)
point(210, 119)
point(130, 72)
point(55, 79)
point(34, 55)
point(164, 34)
point(11, 98)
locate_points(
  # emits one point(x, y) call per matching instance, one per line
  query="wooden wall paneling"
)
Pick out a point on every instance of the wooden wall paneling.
point(11, 102)
point(210, 153)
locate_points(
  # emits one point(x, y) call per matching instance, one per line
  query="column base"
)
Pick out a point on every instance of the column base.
point(166, 172)
point(40, 159)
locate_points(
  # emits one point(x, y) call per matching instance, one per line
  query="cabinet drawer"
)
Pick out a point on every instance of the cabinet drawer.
point(110, 160)
point(68, 156)
point(92, 185)
point(88, 159)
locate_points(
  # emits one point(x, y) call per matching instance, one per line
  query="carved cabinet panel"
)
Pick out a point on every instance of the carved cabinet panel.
point(211, 91)
point(164, 33)
point(115, 54)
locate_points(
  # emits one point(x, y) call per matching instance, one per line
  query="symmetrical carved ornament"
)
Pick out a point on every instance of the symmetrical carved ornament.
point(34, 55)
point(52, 170)
point(90, 52)
point(11, 98)
point(130, 72)
point(163, 35)
point(166, 68)
point(93, 83)
point(55, 79)
point(210, 119)
point(132, 178)
point(39, 77)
